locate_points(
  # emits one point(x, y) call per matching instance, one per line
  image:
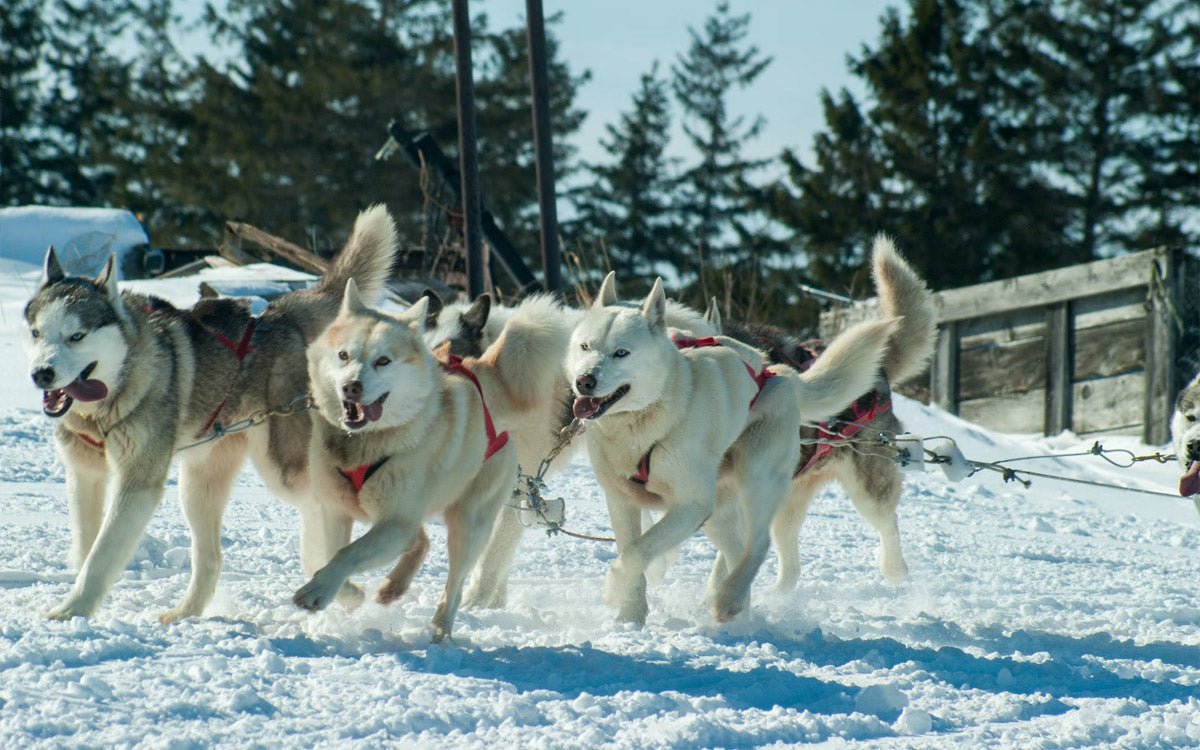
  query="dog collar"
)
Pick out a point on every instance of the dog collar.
point(494, 441)
point(359, 475)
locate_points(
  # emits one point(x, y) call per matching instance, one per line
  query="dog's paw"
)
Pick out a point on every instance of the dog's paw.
point(484, 597)
point(893, 568)
point(70, 607)
point(351, 596)
point(728, 605)
point(317, 593)
point(617, 585)
point(170, 617)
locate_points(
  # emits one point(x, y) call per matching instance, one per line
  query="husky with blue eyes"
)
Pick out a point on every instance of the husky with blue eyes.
point(129, 379)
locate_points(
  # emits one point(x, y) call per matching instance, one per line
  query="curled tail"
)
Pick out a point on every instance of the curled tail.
point(903, 295)
point(846, 370)
point(366, 257)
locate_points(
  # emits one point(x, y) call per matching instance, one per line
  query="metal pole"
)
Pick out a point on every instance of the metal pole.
point(468, 153)
point(543, 146)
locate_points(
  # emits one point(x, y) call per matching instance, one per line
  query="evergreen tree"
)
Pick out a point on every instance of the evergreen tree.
point(22, 39)
point(716, 63)
point(629, 206)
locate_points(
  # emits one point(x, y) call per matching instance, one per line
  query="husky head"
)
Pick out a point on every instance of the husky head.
point(1185, 437)
point(74, 336)
point(618, 356)
point(458, 323)
point(370, 370)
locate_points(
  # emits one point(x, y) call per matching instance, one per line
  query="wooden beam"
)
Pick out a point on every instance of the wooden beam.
point(944, 373)
point(1161, 341)
point(293, 254)
point(1059, 367)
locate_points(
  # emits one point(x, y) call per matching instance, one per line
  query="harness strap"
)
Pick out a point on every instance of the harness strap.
point(760, 378)
point(240, 350)
point(494, 441)
point(359, 475)
point(859, 415)
point(90, 440)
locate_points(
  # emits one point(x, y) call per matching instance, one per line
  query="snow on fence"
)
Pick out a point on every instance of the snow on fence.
point(1098, 347)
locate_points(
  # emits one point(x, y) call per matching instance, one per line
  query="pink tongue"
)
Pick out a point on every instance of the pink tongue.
point(87, 390)
point(1190, 483)
point(585, 407)
point(373, 411)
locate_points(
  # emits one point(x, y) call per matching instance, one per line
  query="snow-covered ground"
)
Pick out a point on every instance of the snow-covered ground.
point(1064, 615)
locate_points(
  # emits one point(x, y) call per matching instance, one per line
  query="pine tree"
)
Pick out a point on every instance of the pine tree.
point(22, 38)
point(716, 63)
point(629, 205)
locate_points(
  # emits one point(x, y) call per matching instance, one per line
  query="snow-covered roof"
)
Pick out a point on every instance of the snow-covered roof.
point(82, 237)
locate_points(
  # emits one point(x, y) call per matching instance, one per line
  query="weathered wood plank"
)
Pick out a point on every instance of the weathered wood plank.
point(1021, 412)
point(1110, 349)
point(1108, 403)
point(1059, 363)
point(944, 381)
point(1161, 344)
point(1002, 369)
point(1005, 328)
point(1046, 288)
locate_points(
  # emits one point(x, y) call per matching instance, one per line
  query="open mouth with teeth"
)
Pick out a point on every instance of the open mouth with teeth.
point(55, 403)
point(356, 415)
point(587, 407)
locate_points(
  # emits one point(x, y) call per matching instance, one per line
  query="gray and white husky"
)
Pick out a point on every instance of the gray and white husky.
point(130, 380)
point(1185, 439)
point(700, 432)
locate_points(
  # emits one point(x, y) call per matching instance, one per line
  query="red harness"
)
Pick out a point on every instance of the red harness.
point(90, 440)
point(858, 415)
point(358, 476)
point(240, 350)
point(760, 379)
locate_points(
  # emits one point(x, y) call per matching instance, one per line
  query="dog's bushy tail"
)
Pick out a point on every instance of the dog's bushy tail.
point(846, 370)
point(366, 257)
point(528, 353)
point(903, 295)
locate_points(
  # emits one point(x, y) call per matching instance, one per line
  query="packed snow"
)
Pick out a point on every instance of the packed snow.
point(1062, 615)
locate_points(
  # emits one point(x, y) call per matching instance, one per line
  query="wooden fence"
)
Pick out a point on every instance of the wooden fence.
point(1102, 347)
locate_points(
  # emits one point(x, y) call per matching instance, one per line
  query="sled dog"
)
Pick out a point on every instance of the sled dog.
point(870, 476)
point(1185, 438)
point(400, 435)
point(130, 380)
point(692, 430)
point(469, 328)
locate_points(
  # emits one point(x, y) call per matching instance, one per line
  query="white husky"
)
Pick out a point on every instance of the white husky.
point(692, 430)
point(401, 435)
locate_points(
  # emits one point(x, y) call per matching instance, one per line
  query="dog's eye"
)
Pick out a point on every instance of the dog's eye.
point(1191, 417)
point(382, 362)
point(584, 347)
point(35, 333)
point(77, 336)
point(342, 355)
point(621, 353)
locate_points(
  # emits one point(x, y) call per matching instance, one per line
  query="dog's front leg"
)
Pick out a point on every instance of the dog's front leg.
point(85, 478)
point(383, 543)
point(620, 589)
point(134, 501)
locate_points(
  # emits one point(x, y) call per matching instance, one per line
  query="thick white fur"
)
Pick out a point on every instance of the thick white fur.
point(1185, 427)
point(716, 462)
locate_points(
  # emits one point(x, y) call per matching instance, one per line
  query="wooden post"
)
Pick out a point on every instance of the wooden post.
point(1161, 339)
point(943, 388)
point(1059, 367)
point(468, 153)
point(543, 146)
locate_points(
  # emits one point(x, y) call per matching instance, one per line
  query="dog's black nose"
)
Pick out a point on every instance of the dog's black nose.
point(352, 391)
point(585, 384)
point(1193, 449)
point(43, 377)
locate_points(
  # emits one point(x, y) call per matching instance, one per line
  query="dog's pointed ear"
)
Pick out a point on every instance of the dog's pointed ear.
point(435, 306)
point(414, 317)
point(654, 309)
point(352, 301)
point(107, 279)
point(608, 291)
point(713, 314)
point(52, 270)
point(477, 314)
